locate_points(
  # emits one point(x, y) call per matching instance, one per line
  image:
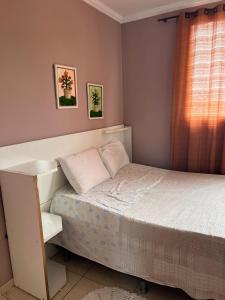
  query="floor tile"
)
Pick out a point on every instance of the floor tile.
point(81, 289)
point(72, 279)
point(95, 277)
point(108, 277)
point(17, 294)
point(157, 292)
point(76, 264)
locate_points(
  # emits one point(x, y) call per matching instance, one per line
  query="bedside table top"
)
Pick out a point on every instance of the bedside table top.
point(34, 167)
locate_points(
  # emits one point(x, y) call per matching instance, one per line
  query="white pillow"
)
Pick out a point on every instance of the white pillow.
point(84, 170)
point(114, 157)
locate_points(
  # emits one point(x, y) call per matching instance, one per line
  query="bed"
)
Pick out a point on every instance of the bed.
point(163, 226)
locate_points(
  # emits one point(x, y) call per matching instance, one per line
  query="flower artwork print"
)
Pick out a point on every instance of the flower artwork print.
point(66, 86)
point(95, 101)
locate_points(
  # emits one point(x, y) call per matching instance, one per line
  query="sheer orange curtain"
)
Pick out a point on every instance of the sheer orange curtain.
point(198, 116)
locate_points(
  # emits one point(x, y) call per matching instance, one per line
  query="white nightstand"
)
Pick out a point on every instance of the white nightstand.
point(25, 188)
point(51, 225)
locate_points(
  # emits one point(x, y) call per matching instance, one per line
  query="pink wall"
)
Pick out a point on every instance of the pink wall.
point(148, 61)
point(34, 36)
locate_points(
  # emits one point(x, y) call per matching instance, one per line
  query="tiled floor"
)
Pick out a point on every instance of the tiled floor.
point(85, 276)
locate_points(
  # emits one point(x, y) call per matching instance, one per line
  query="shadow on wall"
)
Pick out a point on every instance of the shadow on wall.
point(149, 49)
point(5, 265)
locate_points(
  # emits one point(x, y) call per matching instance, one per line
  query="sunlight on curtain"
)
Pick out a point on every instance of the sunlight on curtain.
point(198, 112)
point(206, 74)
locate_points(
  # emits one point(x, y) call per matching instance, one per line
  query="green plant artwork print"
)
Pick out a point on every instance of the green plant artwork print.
point(66, 88)
point(95, 101)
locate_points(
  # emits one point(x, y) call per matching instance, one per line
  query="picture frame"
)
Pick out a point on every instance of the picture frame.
point(66, 86)
point(95, 101)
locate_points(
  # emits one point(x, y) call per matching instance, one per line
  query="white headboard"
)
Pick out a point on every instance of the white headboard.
point(52, 148)
point(11, 157)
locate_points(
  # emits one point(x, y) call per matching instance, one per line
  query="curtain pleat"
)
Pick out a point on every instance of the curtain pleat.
point(198, 112)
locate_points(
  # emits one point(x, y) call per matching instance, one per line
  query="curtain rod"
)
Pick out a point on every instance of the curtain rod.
point(207, 11)
point(168, 18)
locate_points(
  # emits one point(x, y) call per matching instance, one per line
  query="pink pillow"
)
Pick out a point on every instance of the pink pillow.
point(114, 157)
point(84, 170)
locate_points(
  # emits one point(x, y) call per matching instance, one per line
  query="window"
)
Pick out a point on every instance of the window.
point(205, 88)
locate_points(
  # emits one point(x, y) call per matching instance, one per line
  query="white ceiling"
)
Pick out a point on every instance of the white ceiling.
point(130, 10)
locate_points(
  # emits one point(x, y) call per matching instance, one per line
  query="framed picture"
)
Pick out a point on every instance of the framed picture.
point(95, 101)
point(66, 86)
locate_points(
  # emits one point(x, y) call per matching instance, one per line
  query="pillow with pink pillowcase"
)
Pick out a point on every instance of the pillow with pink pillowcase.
point(84, 170)
point(114, 157)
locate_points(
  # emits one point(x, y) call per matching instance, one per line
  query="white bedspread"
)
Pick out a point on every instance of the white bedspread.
point(160, 225)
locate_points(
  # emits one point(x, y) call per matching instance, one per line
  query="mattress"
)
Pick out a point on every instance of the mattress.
point(163, 226)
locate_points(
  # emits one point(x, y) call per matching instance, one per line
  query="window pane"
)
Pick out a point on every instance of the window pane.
point(206, 72)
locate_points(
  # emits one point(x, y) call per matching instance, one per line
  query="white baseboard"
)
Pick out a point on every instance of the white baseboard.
point(7, 286)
